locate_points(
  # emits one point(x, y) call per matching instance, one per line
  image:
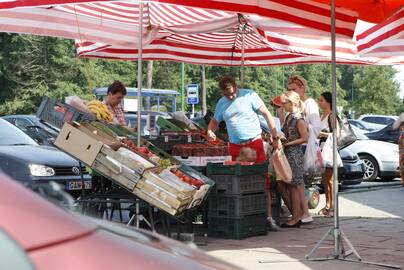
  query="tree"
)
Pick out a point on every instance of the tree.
point(377, 92)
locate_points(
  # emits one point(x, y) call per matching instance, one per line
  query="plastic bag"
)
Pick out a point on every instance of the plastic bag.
point(327, 154)
point(78, 103)
point(313, 159)
point(180, 116)
point(281, 166)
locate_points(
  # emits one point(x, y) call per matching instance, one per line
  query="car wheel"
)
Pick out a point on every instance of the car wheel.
point(371, 167)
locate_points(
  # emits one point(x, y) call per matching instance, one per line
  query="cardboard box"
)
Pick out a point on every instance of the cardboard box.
point(158, 203)
point(131, 160)
point(184, 191)
point(119, 174)
point(160, 194)
point(190, 161)
point(199, 196)
point(78, 144)
point(218, 159)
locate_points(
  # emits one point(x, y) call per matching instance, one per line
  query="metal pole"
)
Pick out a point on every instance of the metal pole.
point(139, 75)
point(334, 134)
point(242, 61)
point(182, 86)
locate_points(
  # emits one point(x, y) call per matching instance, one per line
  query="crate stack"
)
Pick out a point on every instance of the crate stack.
point(238, 206)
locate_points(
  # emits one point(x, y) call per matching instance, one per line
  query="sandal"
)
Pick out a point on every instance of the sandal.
point(323, 211)
point(330, 213)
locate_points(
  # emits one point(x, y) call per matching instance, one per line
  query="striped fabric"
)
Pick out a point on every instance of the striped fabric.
point(203, 36)
point(9, 4)
point(384, 41)
point(164, 50)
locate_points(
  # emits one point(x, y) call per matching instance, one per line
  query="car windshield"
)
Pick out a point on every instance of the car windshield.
point(359, 133)
point(11, 135)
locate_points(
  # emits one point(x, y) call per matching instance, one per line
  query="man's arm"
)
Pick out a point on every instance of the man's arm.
point(213, 125)
point(271, 123)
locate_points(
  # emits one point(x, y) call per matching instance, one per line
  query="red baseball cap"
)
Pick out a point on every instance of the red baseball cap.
point(277, 101)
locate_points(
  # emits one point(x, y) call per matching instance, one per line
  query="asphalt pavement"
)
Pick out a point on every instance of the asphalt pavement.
point(371, 215)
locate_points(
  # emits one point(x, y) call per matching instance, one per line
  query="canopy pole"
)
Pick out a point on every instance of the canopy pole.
point(242, 61)
point(139, 74)
point(339, 237)
point(182, 87)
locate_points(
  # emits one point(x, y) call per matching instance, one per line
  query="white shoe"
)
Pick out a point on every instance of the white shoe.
point(307, 220)
point(272, 224)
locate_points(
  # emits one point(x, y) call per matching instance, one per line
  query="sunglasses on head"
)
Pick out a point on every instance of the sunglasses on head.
point(296, 80)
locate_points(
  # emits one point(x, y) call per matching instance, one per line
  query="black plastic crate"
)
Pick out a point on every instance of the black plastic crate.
point(237, 228)
point(275, 197)
point(276, 213)
point(239, 184)
point(220, 169)
point(57, 113)
point(237, 206)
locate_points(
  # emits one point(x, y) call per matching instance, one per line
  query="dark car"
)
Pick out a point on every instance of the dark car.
point(26, 161)
point(387, 134)
point(35, 234)
point(354, 169)
point(37, 129)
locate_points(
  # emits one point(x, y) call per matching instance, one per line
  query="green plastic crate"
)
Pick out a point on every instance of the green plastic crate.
point(164, 124)
point(220, 169)
point(239, 184)
point(236, 205)
point(237, 227)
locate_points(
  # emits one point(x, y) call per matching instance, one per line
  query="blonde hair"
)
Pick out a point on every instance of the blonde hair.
point(294, 98)
point(300, 81)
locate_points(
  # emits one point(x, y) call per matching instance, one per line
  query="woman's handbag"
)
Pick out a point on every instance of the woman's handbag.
point(346, 137)
point(281, 166)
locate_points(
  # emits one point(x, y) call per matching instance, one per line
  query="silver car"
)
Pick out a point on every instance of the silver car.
point(381, 159)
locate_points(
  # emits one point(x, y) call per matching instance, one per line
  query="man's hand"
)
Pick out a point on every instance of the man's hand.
point(276, 144)
point(211, 135)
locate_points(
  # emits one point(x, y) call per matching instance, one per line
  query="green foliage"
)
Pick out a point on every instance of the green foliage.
point(376, 91)
point(32, 67)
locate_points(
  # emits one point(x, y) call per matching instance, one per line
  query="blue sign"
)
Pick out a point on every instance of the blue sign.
point(192, 94)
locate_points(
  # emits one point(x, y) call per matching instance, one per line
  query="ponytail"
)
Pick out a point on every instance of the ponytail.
point(300, 106)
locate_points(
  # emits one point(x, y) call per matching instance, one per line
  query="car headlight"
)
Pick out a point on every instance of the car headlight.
point(41, 170)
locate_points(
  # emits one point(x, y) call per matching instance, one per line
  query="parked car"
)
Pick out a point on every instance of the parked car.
point(386, 134)
point(366, 126)
point(378, 119)
point(26, 161)
point(381, 159)
point(40, 131)
point(354, 169)
point(35, 234)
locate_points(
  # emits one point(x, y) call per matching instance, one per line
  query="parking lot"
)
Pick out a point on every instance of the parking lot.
point(371, 215)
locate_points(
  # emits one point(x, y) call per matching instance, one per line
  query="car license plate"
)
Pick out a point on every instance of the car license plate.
point(75, 185)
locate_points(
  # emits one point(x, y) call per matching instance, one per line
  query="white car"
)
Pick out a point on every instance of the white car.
point(381, 159)
point(378, 119)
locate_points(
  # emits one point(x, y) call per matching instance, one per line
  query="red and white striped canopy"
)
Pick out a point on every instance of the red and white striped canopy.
point(106, 17)
point(204, 36)
point(384, 41)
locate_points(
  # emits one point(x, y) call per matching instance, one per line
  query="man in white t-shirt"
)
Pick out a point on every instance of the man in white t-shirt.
point(311, 110)
point(312, 116)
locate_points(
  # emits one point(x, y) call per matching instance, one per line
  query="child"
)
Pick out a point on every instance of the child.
point(247, 154)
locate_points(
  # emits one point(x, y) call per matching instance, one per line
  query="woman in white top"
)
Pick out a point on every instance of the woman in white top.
point(311, 114)
point(325, 102)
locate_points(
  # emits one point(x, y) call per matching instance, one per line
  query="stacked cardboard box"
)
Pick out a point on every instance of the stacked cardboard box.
point(132, 171)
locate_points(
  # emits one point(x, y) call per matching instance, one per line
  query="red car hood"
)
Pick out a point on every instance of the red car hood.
point(34, 222)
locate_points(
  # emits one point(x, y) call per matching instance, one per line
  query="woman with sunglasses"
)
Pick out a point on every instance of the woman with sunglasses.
point(295, 130)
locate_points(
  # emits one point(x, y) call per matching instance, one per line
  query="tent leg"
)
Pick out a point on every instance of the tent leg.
point(139, 75)
point(336, 232)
